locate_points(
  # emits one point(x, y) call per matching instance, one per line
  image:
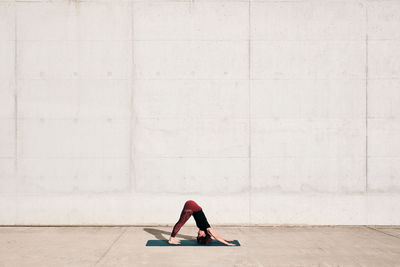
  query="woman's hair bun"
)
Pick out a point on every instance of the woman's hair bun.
point(205, 240)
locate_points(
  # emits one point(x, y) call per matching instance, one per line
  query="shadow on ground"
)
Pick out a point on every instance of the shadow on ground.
point(159, 234)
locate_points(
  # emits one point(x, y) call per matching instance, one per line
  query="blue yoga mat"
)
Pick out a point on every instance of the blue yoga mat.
point(187, 243)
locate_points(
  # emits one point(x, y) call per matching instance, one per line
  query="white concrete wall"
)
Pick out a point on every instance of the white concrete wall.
point(264, 112)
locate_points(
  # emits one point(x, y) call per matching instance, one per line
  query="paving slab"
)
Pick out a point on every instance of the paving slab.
point(260, 246)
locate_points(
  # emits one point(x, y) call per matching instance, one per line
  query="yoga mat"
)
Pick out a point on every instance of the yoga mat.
point(187, 243)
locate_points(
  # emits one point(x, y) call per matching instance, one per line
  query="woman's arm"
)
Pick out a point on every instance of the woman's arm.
point(218, 237)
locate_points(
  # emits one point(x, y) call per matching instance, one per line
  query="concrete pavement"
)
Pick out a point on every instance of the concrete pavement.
point(261, 246)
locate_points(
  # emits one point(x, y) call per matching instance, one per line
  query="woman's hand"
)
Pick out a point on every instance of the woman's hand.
point(219, 238)
point(174, 241)
point(226, 243)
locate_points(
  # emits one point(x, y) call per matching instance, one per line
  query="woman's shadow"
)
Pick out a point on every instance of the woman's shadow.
point(159, 234)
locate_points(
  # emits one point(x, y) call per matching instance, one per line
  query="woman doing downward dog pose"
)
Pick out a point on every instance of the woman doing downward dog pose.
point(205, 231)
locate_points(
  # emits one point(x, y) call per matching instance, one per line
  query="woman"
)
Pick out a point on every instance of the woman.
point(205, 231)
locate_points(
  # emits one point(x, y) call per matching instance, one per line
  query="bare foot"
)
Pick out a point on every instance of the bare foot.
point(174, 241)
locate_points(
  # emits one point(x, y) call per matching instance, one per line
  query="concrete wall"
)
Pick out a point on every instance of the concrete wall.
point(264, 112)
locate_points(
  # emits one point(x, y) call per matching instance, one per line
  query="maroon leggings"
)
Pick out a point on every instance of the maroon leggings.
point(187, 211)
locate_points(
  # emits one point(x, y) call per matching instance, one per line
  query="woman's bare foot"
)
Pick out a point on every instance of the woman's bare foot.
point(174, 241)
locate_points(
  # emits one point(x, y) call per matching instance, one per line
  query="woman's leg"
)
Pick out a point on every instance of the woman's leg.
point(187, 211)
point(185, 215)
point(190, 204)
